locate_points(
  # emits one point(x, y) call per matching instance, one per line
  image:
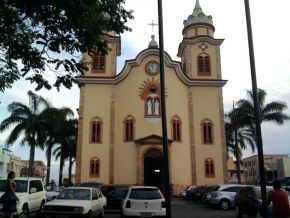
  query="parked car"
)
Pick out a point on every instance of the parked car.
point(199, 196)
point(76, 202)
point(248, 201)
point(30, 192)
point(90, 184)
point(53, 191)
point(114, 194)
point(190, 194)
point(143, 201)
point(224, 196)
point(182, 194)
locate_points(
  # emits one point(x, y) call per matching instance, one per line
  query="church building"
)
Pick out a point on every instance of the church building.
point(120, 127)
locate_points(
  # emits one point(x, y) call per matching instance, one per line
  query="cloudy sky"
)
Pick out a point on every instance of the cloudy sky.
point(271, 33)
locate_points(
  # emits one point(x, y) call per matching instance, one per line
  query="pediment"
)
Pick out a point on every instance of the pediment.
point(152, 139)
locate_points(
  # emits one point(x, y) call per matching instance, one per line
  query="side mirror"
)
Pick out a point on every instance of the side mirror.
point(32, 190)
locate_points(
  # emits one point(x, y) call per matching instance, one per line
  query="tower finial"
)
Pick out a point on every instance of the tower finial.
point(197, 5)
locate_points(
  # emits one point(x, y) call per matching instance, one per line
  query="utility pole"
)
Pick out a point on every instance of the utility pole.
point(257, 111)
point(163, 112)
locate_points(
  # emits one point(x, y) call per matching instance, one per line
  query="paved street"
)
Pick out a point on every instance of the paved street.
point(188, 209)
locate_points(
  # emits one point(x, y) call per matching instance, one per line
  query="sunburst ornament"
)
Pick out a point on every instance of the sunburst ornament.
point(149, 87)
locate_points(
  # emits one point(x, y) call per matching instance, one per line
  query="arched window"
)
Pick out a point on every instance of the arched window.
point(96, 130)
point(95, 167)
point(129, 126)
point(203, 63)
point(176, 128)
point(209, 167)
point(207, 132)
point(98, 63)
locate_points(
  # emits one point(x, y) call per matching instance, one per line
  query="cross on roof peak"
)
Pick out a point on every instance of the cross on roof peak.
point(152, 24)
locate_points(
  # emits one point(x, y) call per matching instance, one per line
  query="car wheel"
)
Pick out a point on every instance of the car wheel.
point(89, 214)
point(25, 212)
point(224, 204)
point(102, 213)
point(238, 212)
point(39, 212)
point(122, 215)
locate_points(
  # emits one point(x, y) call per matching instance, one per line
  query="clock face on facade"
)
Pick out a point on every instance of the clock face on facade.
point(152, 67)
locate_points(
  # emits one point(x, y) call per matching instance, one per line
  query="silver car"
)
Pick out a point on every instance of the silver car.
point(224, 197)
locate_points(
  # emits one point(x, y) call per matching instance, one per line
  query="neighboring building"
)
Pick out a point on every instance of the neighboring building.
point(8, 162)
point(15, 164)
point(232, 171)
point(39, 169)
point(4, 161)
point(283, 168)
point(120, 129)
point(251, 166)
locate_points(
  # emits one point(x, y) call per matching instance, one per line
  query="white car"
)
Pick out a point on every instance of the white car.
point(76, 202)
point(143, 201)
point(30, 192)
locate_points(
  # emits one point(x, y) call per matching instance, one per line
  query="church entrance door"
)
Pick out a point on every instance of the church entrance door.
point(153, 168)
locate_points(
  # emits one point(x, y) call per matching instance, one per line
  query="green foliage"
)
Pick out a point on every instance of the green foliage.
point(51, 35)
point(26, 124)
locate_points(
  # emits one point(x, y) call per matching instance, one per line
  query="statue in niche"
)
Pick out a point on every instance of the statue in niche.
point(149, 106)
point(156, 107)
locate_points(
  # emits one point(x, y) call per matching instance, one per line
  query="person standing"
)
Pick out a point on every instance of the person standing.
point(280, 201)
point(9, 206)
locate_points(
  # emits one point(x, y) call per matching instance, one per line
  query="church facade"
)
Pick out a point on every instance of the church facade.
point(120, 130)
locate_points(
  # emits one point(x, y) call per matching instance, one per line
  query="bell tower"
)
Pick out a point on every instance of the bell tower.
point(104, 65)
point(199, 50)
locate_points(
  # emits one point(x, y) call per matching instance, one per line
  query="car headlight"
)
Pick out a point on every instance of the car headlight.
point(78, 209)
point(47, 208)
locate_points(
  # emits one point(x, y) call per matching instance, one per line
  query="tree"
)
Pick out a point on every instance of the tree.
point(39, 35)
point(238, 137)
point(28, 125)
point(53, 119)
point(67, 143)
point(271, 112)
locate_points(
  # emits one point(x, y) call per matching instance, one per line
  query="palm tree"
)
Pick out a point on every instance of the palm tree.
point(53, 119)
point(28, 124)
point(67, 143)
point(271, 112)
point(238, 137)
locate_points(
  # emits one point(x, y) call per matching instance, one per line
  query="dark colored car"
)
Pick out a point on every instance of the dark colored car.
point(248, 201)
point(90, 184)
point(115, 195)
point(199, 196)
point(190, 194)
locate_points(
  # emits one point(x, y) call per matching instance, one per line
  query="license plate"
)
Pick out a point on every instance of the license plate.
point(61, 216)
point(146, 214)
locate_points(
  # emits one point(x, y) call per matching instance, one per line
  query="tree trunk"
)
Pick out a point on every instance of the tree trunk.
point(70, 169)
point(60, 168)
point(31, 159)
point(48, 164)
point(237, 156)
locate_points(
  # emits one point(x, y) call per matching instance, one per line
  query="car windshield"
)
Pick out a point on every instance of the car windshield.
point(75, 194)
point(145, 193)
point(21, 186)
point(90, 184)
